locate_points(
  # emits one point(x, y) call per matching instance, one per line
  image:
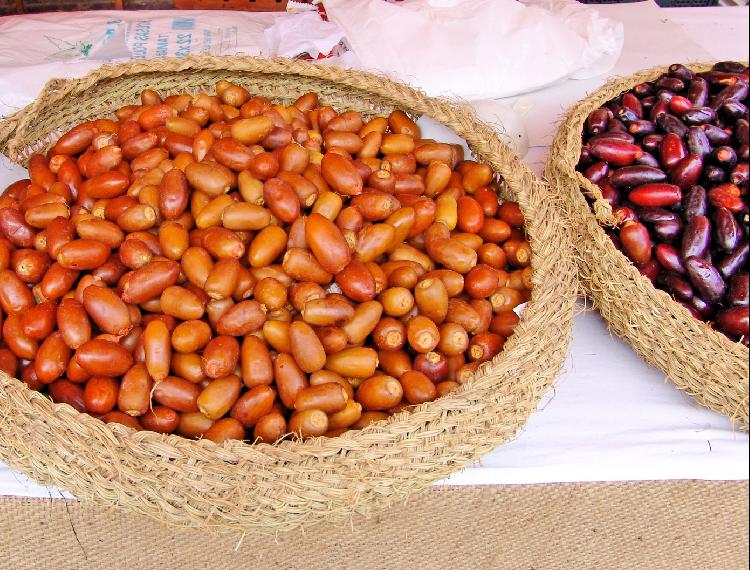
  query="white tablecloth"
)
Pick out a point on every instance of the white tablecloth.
point(610, 417)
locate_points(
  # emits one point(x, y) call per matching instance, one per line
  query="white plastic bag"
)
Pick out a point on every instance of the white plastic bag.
point(604, 38)
point(476, 49)
point(303, 33)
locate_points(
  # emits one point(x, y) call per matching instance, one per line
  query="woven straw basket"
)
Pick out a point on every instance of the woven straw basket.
point(699, 360)
point(236, 486)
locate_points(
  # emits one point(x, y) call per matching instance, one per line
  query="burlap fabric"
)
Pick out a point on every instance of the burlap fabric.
point(604, 526)
point(238, 486)
point(699, 360)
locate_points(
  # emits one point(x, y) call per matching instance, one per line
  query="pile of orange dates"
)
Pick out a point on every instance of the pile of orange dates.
point(224, 267)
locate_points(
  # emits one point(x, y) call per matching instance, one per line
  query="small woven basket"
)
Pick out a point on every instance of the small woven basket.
point(699, 360)
point(236, 486)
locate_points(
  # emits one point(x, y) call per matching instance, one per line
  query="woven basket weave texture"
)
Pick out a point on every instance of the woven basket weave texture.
point(235, 486)
point(697, 359)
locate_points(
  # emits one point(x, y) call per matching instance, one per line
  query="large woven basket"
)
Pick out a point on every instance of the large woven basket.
point(238, 486)
point(699, 360)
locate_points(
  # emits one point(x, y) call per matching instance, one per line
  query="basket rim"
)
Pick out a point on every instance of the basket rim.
point(561, 286)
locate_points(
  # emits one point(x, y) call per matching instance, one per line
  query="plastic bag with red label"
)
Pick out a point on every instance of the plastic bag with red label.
point(36, 47)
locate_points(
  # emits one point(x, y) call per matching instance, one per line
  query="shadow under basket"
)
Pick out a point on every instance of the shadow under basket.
point(237, 486)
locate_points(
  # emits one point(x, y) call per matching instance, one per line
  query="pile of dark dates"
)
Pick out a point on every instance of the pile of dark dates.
point(671, 158)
